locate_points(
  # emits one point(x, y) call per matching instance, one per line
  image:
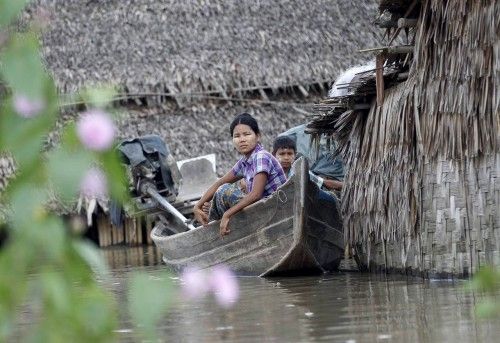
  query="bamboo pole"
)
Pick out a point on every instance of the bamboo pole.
point(391, 50)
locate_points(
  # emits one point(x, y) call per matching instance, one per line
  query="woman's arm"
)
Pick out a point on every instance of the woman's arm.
point(199, 214)
point(258, 185)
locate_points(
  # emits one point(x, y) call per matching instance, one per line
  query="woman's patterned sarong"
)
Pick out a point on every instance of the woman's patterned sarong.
point(226, 196)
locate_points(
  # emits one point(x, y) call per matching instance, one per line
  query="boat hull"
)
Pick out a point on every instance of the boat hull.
point(294, 231)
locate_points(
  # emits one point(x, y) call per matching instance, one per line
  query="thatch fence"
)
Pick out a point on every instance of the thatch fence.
point(423, 162)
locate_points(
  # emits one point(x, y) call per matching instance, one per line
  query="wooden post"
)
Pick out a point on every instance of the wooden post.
point(263, 94)
point(379, 78)
point(100, 235)
point(133, 232)
point(107, 225)
point(119, 234)
point(126, 229)
point(113, 232)
point(101, 229)
point(303, 91)
point(149, 227)
point(139, 229)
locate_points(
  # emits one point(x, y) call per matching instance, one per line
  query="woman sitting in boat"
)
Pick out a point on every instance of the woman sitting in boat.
point(259, 168)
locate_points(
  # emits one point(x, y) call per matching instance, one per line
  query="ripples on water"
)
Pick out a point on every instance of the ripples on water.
point(335, 308)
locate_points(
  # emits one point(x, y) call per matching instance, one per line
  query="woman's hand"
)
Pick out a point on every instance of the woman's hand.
point(206, 207)
point(224, 229)
point(259, 183)
point(200, 216)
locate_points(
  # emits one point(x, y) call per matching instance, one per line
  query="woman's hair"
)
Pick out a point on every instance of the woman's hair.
point(284, 142)
point(246, 119)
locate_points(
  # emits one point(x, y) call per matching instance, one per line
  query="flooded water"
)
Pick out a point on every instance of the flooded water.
point(341, 307)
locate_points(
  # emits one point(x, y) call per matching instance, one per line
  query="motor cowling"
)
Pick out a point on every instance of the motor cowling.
point(150, 162)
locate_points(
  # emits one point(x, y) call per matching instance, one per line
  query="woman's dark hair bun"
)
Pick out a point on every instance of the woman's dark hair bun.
point(246, 119)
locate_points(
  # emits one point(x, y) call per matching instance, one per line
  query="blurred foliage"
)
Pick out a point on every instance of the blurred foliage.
point(43, 263)
point(487, 281)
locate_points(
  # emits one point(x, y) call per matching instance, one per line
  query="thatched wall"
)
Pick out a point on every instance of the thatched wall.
point(203, 46)
point(422, 184)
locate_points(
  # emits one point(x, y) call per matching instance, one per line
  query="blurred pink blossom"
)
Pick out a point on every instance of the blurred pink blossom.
point(26, 107)
point(224, 285)
point(96, 130)
point(220, 280)
point(94, 184)
point(195, 284)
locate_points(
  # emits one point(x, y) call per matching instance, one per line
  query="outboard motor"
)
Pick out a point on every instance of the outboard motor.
point(151, 163)
point(154, 172)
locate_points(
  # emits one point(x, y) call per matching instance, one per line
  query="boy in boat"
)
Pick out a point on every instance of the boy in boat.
point(322, 161)
point(263, 174)
point(285, 150)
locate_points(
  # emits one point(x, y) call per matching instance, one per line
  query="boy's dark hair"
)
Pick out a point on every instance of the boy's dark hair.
point(284, 142)
point(246, 119)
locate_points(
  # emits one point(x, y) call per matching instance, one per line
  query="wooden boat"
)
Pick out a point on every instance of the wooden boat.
point(293, 231)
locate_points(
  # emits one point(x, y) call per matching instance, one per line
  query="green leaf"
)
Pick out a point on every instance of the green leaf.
point(56, 290)
point(10, 9)
point(115, 173)
point(148, 300)
point(16, 259)
point(486, 279)
point(91, 255)
point(27, 206)
point(49, 237)
point(24, 137)
point(25, 151)
point(96, 316)
point(488, 308)
point(69, 138)
point(22, 66)
point(66, 169)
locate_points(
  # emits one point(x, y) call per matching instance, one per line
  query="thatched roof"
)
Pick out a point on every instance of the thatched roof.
point(446, 107)
point(211, 46)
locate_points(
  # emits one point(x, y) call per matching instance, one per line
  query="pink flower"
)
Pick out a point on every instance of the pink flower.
point(94, 184)
point(224, 285)
point(96, 130)
point(220, 280)
point(26, 107)
point(195, 283)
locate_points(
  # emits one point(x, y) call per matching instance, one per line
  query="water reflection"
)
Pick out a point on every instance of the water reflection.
point(336, 307)
point(119, 258)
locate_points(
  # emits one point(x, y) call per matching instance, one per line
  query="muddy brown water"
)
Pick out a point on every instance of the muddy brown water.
point(340, 307)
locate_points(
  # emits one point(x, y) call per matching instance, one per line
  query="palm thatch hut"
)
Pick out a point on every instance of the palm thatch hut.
point(420, 134)
point(184, 68)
